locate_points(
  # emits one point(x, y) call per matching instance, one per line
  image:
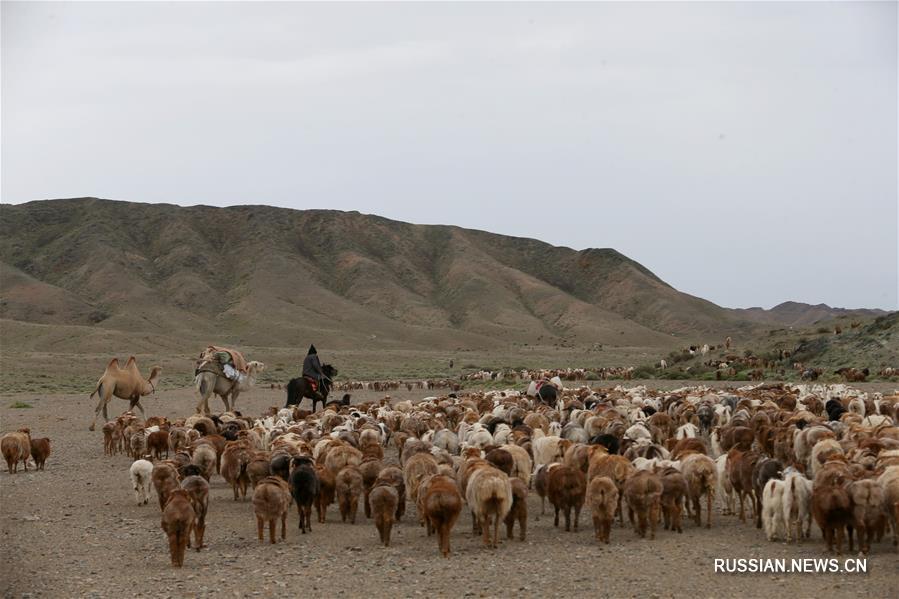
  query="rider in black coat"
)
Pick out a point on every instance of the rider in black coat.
point(312, 366)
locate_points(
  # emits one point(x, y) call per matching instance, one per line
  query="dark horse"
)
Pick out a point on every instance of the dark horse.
point(299, 388)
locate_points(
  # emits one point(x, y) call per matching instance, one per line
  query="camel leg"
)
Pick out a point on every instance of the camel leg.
point(100, 406)
point(136, 402)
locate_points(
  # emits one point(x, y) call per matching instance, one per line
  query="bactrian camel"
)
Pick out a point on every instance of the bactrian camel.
point(125, 383)
point(207, 383)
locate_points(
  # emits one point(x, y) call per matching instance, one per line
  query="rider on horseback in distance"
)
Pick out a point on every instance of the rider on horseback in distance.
point(312, 369)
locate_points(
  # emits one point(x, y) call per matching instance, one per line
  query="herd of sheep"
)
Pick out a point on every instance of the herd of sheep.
point(783, 455)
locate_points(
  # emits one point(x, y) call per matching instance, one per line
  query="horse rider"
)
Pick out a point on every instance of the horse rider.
point(312, 370)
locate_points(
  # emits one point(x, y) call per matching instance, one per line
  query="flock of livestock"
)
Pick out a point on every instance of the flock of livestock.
point(781, 456)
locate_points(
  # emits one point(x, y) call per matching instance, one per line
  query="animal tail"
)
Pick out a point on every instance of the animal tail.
point(99, 390)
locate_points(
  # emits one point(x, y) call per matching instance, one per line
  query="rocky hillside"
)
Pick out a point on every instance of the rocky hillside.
point(278, 277)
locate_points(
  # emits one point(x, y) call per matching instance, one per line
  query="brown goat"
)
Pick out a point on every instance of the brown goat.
point(394, 476)
point(701, 477)
point(370, 468)
point(235, 459)
point(602, 496)
point(16, 447)
point(165, 480)
point(832, 504)
point(519, 510)
point(616, 467)
point(566, 490)
point(643, 492)
point(198, 490)
point(740, 467)
point(674, 488)
point(40, 451)
point(270, 502)
point(442, 504)
point(382, 501)
point(348, 488)
point(867, 511)
point(328, 484)
point(177, 520)
point(157, 443)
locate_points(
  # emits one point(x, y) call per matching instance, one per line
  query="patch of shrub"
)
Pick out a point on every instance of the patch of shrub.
point(19, 405)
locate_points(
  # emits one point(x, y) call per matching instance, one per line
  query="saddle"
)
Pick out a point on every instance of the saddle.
point(215, 368)
point(212, 366)
point(313, 384)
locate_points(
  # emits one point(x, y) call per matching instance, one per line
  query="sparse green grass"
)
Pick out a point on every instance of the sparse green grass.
point(20, 405)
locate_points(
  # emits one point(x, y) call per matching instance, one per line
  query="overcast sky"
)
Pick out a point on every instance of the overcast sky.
point(745, 153)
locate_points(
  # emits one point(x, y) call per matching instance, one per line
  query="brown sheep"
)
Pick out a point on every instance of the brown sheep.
point(394, 476)
point(602, 496)
point(519, 510)
point(541, 480)
point(701, 477)
point(616, 467)
point(40, 451)
point(867, 511)
point(165, 480)
point(643, 492)
point(674, 489)
point(370, 468)
point(442, 504)
point(235, 460)
point(177, 520)
point(204, 456)
point(157, 443)
point(198, 490)
point(270, 502)
point(341, 456)
point(566, 490)
point(832, 504)
point(686, 446)
point(501, 459)
point(418, 466)
point(259, 467)
point(740, 466)
point(328, 484)
point(16, 447)
point(112, 438)
point(381, 506)
point(348, 488)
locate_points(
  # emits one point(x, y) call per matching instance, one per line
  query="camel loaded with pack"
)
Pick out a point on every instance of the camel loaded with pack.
point(226, 373)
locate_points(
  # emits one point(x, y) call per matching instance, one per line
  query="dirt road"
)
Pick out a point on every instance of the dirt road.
point(74, 530)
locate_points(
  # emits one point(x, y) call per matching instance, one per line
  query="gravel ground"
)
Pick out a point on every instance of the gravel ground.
point(74, 530)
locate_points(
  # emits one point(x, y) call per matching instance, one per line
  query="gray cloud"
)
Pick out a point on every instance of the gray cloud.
point(745, 152)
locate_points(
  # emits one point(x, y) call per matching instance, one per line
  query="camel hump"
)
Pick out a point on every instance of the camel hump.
point(131, 360)
point(113, 362)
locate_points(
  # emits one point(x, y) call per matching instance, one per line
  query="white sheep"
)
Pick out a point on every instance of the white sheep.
point(725, 489)
point(686, 431)
point(141, 478)
point(772, 509)
point(797, 495)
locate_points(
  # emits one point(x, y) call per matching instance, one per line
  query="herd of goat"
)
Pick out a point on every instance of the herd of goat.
point(782, 455)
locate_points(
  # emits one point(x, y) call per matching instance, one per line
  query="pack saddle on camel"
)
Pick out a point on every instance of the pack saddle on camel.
point(124, 383)
point(226, 373)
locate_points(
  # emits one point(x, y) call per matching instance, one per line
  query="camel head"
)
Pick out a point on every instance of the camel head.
point(153, 379)
point(255, 368)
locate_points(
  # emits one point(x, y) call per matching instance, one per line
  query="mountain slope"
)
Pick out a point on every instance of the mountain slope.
point(798, 314)
point(273, 276)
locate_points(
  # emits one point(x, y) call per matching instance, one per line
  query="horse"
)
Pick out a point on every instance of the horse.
point(299, 388)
